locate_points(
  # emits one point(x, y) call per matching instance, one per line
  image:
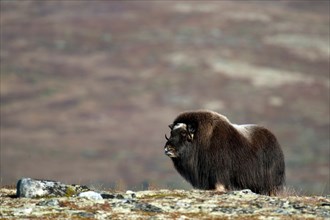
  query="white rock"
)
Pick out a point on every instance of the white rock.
point(91, 195)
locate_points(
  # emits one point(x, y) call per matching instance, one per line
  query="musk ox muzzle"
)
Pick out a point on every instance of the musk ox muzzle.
point(170, 151)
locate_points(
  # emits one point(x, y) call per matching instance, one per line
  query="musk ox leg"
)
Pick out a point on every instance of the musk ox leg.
point(276, 190)
point(221, 188)
point(272, 193)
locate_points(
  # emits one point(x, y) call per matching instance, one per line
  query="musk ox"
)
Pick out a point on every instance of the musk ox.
point(213, 154)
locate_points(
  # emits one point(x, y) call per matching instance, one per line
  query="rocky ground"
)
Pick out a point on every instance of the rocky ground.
point(165, 204)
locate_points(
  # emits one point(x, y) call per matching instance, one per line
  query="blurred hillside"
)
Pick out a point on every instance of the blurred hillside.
point(88, 88)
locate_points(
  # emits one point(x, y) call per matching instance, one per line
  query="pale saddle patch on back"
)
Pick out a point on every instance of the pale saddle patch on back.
point(244, 130)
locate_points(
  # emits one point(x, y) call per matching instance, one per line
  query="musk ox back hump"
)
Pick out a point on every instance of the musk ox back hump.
point(212, 153)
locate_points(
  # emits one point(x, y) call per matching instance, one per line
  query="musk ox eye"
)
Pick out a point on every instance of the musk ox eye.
point(191, 129)
point(187, 136)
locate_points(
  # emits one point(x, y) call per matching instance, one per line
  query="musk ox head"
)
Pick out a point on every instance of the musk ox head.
point(181, 137)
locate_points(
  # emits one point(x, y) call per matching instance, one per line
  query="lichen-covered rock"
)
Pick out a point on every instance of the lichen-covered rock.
point(32, 188)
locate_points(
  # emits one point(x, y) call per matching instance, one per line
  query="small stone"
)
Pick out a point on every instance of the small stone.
point(286, 204)
point(242, 193)
point(50, 202)
point(131, 194)
point(119, 196)
point(128, 201)
point(85, 215)
point(146, 207)
point(107, 196)
point(91, 195)
point(182, 204)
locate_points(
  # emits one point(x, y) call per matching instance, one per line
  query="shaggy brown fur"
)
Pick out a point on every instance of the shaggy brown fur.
point(212, 153)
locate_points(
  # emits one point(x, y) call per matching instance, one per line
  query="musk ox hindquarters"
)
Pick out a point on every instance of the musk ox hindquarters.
point(212, 153)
